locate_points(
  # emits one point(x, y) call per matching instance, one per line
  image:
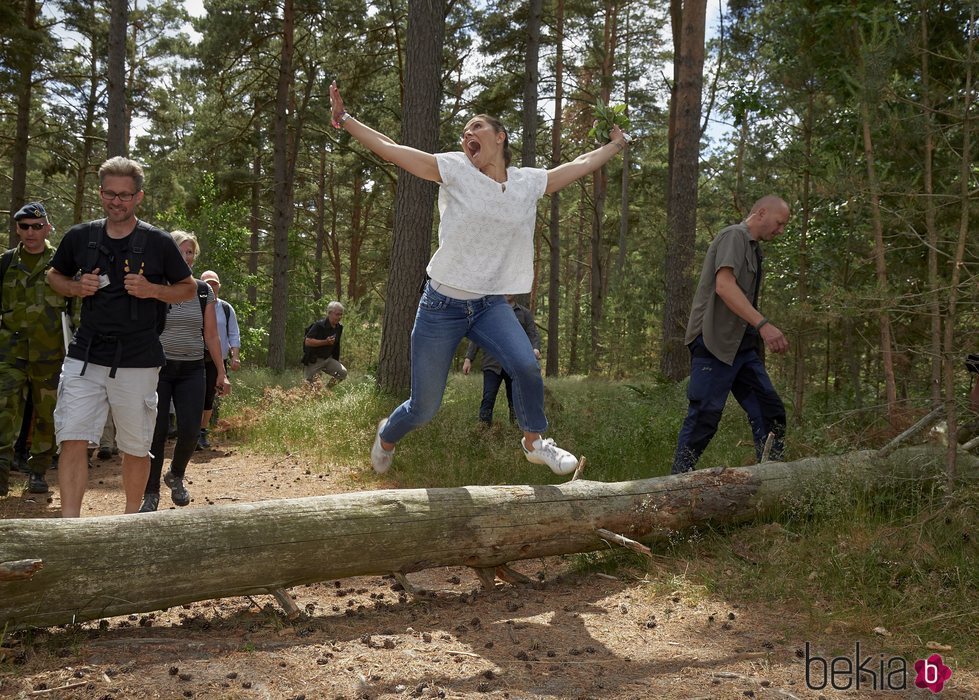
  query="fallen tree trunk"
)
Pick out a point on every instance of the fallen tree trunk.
point(62, 571)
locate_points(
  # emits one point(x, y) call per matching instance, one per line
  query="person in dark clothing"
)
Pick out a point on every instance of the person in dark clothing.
point(723, 334)
point(322, 347)
point(125, 280)
point(493, 372)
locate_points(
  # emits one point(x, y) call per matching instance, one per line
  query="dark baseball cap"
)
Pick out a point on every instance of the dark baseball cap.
point(32, 210)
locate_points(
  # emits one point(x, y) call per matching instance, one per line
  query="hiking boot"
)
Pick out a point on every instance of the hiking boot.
point(202, 441)
point(36, 483)
point(151, 501)
point(381, 458)
point(546, 452)
point(178, 494)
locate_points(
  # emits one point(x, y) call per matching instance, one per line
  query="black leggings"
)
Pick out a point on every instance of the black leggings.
point(183, 383)
point(210, 383)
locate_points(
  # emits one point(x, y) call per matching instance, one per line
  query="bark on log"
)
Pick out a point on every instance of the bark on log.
point(115, 565)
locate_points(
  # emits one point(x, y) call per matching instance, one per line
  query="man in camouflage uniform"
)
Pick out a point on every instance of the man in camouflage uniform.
point(31, 346)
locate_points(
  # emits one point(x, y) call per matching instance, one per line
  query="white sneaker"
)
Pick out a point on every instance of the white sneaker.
point(546, 452)
point(381, 458)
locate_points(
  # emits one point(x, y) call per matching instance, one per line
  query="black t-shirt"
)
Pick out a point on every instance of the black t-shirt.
point(106, 317)
point(321, 330)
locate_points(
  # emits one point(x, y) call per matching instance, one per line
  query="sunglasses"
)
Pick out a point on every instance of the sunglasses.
point(24, 227)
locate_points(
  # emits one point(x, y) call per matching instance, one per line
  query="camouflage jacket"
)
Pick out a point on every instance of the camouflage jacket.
point(30, 324)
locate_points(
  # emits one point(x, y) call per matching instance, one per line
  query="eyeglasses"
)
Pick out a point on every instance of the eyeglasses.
point(109, 195)
point(23, 227)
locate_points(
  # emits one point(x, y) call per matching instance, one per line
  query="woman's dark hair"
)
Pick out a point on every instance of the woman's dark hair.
point(500, 129)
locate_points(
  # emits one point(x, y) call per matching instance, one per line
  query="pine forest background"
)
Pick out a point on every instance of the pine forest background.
point(859, 113)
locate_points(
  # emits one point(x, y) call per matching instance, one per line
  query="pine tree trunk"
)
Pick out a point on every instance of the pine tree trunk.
point(334, 235)
point(320, 225)
point(952, 348)
point(255, 227)
point(358, 229)
point(554, 224)
point(800, 346)
point(24, 83)
point(118, 129)
point(931, 229)
point(88, 142)
point(599, 273)
point(880, 265)
point(414, 198)
point(282, 213)
point(682, 207)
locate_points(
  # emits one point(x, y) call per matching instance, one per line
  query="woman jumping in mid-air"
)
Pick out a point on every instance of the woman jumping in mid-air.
point(487, 214)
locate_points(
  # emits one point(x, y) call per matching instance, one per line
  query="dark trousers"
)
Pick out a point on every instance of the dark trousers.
point(183, 383)
point(710, 382)
point(23, 445)
point(491, 387)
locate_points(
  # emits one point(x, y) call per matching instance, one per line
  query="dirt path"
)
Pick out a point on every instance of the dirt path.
point(571, 635)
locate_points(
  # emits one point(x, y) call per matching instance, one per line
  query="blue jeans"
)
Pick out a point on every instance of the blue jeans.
point(440, 325)
point(710, 382)
point(491, 388)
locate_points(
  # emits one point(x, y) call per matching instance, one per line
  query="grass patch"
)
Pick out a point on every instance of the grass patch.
point(894, 554)
point(626, 431)
point(899, 557)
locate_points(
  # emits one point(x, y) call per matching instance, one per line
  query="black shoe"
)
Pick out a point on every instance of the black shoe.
point(178, 494)
point(104, 453)
point(36, 483)
point(151, 501)
point(202, 441)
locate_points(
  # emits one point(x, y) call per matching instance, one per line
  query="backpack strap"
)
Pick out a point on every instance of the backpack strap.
point(227, 312)
point(135, 263)
point(95, 245)
point(203, 288)
point(5, 260)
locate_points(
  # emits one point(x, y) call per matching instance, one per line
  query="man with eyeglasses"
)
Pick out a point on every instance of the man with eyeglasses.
point(126, 272)
point(31, 346)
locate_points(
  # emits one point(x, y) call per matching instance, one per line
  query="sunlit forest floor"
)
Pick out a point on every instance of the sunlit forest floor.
point(747, 611)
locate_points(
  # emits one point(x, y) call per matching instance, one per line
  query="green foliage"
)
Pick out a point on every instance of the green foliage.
point(625, 431)
point(788, 77)
point(607, 116)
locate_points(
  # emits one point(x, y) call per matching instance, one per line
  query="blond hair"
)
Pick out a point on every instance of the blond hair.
point(180, 237)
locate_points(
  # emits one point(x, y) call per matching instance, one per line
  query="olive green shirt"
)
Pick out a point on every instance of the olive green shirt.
point(710, 316)
point(30, 325)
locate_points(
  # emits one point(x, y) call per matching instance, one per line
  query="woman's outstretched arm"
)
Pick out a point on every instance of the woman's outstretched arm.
point(416, 162)
point(563, 175)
